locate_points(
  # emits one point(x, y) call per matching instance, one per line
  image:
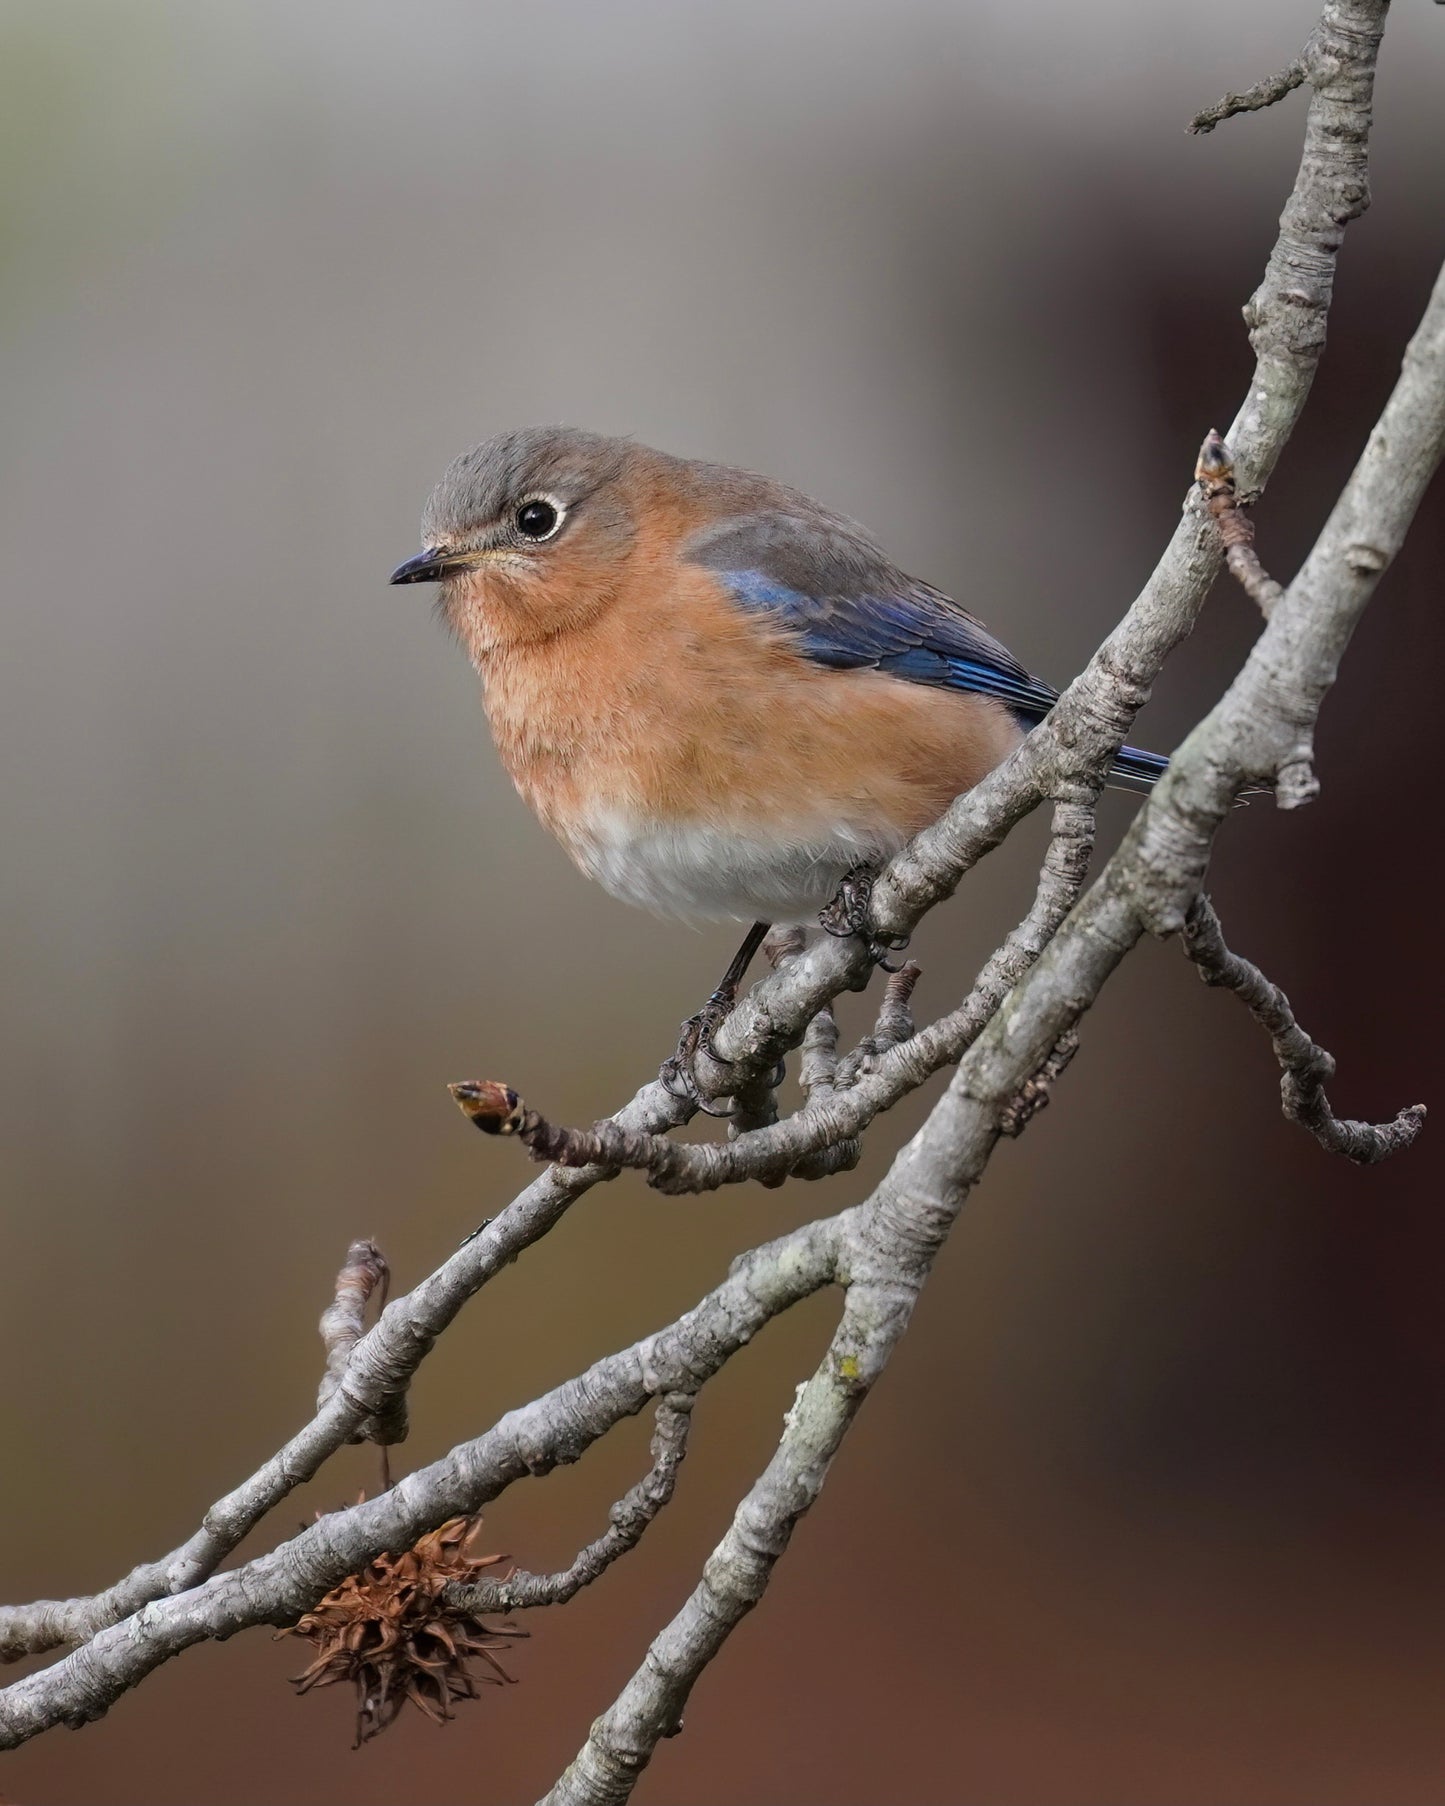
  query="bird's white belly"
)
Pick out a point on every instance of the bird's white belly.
point(712, 872)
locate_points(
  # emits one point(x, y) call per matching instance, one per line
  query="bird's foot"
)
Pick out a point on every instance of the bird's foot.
point(848, 914)
point(678, 1074)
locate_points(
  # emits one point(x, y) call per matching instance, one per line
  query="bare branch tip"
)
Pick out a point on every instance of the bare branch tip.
point(343, 1323)
point(496, 1109)
point(900, 983)
point(1253, 100)
point(1305, 1067)
point(1296, 785)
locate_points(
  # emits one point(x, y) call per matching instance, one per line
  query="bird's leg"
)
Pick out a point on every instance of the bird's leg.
point(698, 1030)
point(848, 914)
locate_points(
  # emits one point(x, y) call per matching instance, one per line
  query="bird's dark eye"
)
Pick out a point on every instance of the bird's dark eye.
point(538, 519)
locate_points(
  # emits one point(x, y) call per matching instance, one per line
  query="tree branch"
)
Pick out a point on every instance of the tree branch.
point(1148, 885)
point(380, 1369)
point(1263, 94)
point(363, 1272)
point(1286, 316)
point(555, 1429)
point(1306, 1066)
point(628, 1519)
point(1215, 475)
point(877, 1076)
point(649, 1708)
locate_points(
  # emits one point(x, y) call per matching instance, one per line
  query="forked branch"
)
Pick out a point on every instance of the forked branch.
point(628, 1519)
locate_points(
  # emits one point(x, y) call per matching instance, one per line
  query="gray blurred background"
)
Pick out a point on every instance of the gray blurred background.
point(1150, 1507)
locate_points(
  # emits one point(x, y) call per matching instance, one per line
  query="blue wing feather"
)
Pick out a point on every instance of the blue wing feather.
point(914, 633)
point(820, 577)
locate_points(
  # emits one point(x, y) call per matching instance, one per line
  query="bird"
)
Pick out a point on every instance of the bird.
point(723, 698)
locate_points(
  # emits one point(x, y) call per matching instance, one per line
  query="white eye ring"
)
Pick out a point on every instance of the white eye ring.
point(557, 510)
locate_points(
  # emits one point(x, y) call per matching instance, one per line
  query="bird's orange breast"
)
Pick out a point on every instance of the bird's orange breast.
point(671, 705)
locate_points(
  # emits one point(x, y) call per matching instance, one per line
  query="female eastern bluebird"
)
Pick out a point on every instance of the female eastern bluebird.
point(721, 697)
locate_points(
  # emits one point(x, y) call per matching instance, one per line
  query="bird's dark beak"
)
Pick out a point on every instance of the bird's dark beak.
point(429, 566)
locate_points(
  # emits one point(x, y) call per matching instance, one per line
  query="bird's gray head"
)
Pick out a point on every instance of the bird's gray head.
point(514, 502)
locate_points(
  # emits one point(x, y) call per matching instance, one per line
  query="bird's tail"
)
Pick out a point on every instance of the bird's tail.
point(1135, 770)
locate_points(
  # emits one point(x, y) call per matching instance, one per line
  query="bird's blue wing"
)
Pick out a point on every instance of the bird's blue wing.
point(822, 579)
point(848, 607)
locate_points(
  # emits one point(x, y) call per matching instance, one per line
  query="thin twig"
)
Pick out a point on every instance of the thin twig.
point(1215, 475)
point(343, 1322)
point(818, 1061)
point(821, 1138)
point(628, 1519)
point(894, 1026)
point(559, 1426)
point(1263, 94)
point(363, 1272)
point(1305, 1066)
point(381, 1366)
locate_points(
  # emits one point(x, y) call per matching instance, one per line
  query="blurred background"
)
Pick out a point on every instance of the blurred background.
point(1149, 1507)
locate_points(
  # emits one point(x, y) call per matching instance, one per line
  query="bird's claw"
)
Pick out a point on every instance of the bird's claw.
point(679, 1081)
point(698, 1031)
point(847, 914)
point(678, 1074)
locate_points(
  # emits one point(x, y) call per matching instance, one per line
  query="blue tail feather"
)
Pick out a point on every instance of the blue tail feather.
point(1135, 770)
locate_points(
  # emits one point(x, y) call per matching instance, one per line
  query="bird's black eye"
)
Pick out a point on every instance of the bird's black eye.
point(538, 519)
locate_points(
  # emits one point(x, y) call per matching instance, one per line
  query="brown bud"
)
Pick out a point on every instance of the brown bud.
point(494, 1108)
point(1216, 462)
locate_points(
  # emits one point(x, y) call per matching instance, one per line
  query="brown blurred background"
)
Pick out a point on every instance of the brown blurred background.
point(1149, 1508)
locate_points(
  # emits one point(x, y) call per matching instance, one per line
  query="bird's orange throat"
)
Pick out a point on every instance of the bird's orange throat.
point(498, 607)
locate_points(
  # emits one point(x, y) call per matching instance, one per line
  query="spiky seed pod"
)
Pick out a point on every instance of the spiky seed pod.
point(387, 1630)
